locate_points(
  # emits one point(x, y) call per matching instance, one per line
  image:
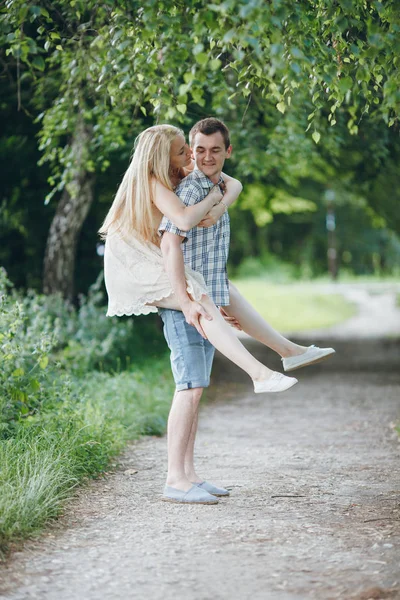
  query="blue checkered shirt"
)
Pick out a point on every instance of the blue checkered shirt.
point(206, 248)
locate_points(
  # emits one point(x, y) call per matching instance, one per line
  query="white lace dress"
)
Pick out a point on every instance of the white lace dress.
point(134, 275)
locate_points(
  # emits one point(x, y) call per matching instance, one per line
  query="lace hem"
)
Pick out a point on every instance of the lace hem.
point(141, 307)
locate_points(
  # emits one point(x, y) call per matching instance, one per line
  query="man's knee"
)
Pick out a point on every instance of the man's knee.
point(192, 395)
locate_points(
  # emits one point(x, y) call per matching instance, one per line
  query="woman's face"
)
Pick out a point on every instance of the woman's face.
point(180, 154)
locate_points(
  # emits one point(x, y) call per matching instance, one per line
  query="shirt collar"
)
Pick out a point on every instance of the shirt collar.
point(204, 180)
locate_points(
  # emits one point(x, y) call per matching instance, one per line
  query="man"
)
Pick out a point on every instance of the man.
point(205, 250)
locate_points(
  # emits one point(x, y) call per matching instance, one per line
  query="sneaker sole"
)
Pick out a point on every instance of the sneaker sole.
point(173, 501)
point(313, 361)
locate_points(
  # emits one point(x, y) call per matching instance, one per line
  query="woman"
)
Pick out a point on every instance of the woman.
point(135, 277)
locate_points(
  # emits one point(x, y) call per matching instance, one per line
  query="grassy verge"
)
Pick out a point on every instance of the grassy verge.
point(295, 307)
point(53, 452)
point(65, 405)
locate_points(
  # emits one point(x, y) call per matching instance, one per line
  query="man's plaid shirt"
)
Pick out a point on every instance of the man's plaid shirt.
point(206, 248)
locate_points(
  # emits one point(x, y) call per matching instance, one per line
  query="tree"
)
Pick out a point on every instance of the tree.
point(97, 68)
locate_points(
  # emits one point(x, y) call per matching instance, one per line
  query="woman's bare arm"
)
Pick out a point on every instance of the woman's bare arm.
point(232, 192)
point(233, 189)
point(184, 217)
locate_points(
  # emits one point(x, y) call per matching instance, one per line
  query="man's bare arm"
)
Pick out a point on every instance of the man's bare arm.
point(175, 268)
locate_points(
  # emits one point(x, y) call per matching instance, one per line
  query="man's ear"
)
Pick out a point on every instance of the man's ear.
point(228, 152)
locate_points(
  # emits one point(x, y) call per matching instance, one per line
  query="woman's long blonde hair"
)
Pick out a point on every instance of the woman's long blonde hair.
point(131, 212)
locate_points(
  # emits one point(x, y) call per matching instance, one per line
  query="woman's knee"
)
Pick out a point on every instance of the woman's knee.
point(206, 301)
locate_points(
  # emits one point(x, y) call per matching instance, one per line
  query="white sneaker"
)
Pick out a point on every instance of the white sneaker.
point(312, 355)
point(276, 383)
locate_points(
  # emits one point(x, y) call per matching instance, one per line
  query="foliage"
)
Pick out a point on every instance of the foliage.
point(45, 340)
point(266, 266)
point(60, 419)
point(27, 379)
point(106, 64)
point(283, 75)
point(54, 450)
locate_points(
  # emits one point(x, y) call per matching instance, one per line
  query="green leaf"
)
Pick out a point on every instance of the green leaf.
point(202, 58)
point(215, 64)
point(281, 107)
point(38, 63)
point(181, 108)
point(345, 84)
point(183, 89)
point(316, 136)
point(228, 37)
point(18, 372)
point(43, 362)
point(35, 385)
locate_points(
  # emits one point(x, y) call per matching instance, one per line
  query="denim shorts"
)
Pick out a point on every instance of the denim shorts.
point(191, 355)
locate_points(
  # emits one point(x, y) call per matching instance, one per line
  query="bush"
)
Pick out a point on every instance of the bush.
point(87, 339)
point(28, 378)
point(266, 266)
point(45, 340)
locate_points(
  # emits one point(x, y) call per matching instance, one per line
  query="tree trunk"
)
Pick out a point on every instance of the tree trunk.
point(76, 199)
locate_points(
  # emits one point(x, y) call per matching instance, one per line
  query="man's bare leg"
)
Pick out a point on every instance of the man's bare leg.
point(257, 327)
point(189, 456)
point(180, 423)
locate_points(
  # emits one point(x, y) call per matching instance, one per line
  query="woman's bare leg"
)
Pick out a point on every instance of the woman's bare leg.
point(223, 338)
point(258, 328)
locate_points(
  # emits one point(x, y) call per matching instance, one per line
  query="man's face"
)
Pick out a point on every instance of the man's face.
point(209, 153)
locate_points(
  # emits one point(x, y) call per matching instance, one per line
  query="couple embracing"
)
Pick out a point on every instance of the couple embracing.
point(167, 241)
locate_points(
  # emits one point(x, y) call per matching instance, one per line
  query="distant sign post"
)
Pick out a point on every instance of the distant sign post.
point(331, 230)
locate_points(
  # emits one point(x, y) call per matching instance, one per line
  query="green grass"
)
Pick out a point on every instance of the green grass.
point(54, 451)
point(295, 307)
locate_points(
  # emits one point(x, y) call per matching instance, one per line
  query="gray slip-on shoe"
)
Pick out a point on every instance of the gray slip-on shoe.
point(312, 355)
point(193, 496)
point(212, 489)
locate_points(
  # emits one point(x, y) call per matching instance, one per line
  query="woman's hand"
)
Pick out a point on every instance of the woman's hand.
point(193, 311)
point(213, 215)
point(215, 195)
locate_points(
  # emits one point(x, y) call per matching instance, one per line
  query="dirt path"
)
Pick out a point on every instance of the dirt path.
point(314, 511)
point(378, 315)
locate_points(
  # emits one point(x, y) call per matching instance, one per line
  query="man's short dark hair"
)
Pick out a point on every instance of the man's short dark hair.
point(208, 127)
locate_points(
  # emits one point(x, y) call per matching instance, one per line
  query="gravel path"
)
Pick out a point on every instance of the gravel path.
point(314, 511)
